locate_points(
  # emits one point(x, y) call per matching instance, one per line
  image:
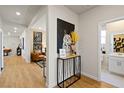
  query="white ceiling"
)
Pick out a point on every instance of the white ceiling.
point(80, 8)
point(8, 12)
point(9, 27)
point(11, 20)
point(41, 22)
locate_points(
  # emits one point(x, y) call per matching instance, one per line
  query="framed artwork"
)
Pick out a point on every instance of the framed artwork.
point(118, 43)
point(23, 43)
point(61, 27)
point(37, 41)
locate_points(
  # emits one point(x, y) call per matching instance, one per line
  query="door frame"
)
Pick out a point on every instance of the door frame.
point(100, 25)
point(1, 40)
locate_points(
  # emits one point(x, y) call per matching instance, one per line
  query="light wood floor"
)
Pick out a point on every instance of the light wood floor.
point(86, 82)
point(19, 74)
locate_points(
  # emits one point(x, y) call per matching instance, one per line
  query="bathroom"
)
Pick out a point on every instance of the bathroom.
point(112, 53)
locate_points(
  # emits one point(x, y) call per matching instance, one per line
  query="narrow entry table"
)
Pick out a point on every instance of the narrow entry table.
point(68, 70)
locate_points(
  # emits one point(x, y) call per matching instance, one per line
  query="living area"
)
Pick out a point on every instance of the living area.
point(38, 43)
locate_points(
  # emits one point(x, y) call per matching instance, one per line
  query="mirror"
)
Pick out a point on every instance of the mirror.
point(118, 43)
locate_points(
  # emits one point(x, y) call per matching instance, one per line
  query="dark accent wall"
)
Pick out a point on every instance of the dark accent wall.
point(61, 26)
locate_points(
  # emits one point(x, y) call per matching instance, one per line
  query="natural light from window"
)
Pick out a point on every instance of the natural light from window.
point(103, 37)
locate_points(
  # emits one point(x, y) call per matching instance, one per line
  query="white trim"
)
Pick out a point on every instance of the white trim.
point(99, 50)
point(90, 76)
point(2, 65)
point(47, 52)
point(2, 51)
point(52, 85)
point(99, 39)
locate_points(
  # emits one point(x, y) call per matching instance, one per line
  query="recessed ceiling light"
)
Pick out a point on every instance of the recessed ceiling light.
point(15, 31)
point(40, 28)
point(15, 28)
point(18, 13)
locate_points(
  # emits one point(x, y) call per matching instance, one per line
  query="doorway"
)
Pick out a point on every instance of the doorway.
point(111, 60)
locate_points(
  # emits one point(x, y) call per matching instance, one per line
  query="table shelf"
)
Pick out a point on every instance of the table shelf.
point(68, 70)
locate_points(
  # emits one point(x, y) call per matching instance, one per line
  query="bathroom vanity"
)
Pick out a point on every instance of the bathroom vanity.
point(116, 63)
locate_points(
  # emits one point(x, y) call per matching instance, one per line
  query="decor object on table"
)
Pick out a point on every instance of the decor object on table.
point(66, 43)
point(62, 53)
point(74, 39)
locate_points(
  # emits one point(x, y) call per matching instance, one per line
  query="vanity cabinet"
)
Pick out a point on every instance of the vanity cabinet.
point(116, 64)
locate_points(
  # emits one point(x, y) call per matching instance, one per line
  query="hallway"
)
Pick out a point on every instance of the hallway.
point(19, 74)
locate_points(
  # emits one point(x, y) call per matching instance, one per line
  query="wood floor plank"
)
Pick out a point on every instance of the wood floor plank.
point(19, 74)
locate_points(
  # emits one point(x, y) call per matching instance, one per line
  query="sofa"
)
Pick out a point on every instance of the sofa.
point(37, 56)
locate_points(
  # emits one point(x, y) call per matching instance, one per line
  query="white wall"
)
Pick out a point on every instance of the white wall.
point(28, 34)
point(1, 46)
point(11, 42)
point(42, 22)
point(25, 51)
point(63, 13)
point(1, 50)
point(88, 44)
point(0, 22)
point(117, 26)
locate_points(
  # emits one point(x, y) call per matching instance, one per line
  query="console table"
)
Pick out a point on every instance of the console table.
point(68, 70)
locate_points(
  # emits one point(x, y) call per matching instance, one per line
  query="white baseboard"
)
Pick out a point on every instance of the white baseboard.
point(52, 85)
point(90, 76)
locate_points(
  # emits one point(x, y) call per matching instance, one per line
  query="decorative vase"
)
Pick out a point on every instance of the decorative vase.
point(73, 49)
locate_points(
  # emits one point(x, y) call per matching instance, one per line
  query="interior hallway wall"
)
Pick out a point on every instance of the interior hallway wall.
point(27, 34)
point(1, 59)
point(11, 42)
point(63, 13)
point(1, 46)
point(88, 44)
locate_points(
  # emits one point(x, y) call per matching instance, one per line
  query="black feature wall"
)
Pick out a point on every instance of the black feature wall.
point(61, 26)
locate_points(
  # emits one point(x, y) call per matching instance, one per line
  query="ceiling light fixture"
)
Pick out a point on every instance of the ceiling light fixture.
point(18, 13)
point(15, 31)
point(40, 28)
point(15, 28)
